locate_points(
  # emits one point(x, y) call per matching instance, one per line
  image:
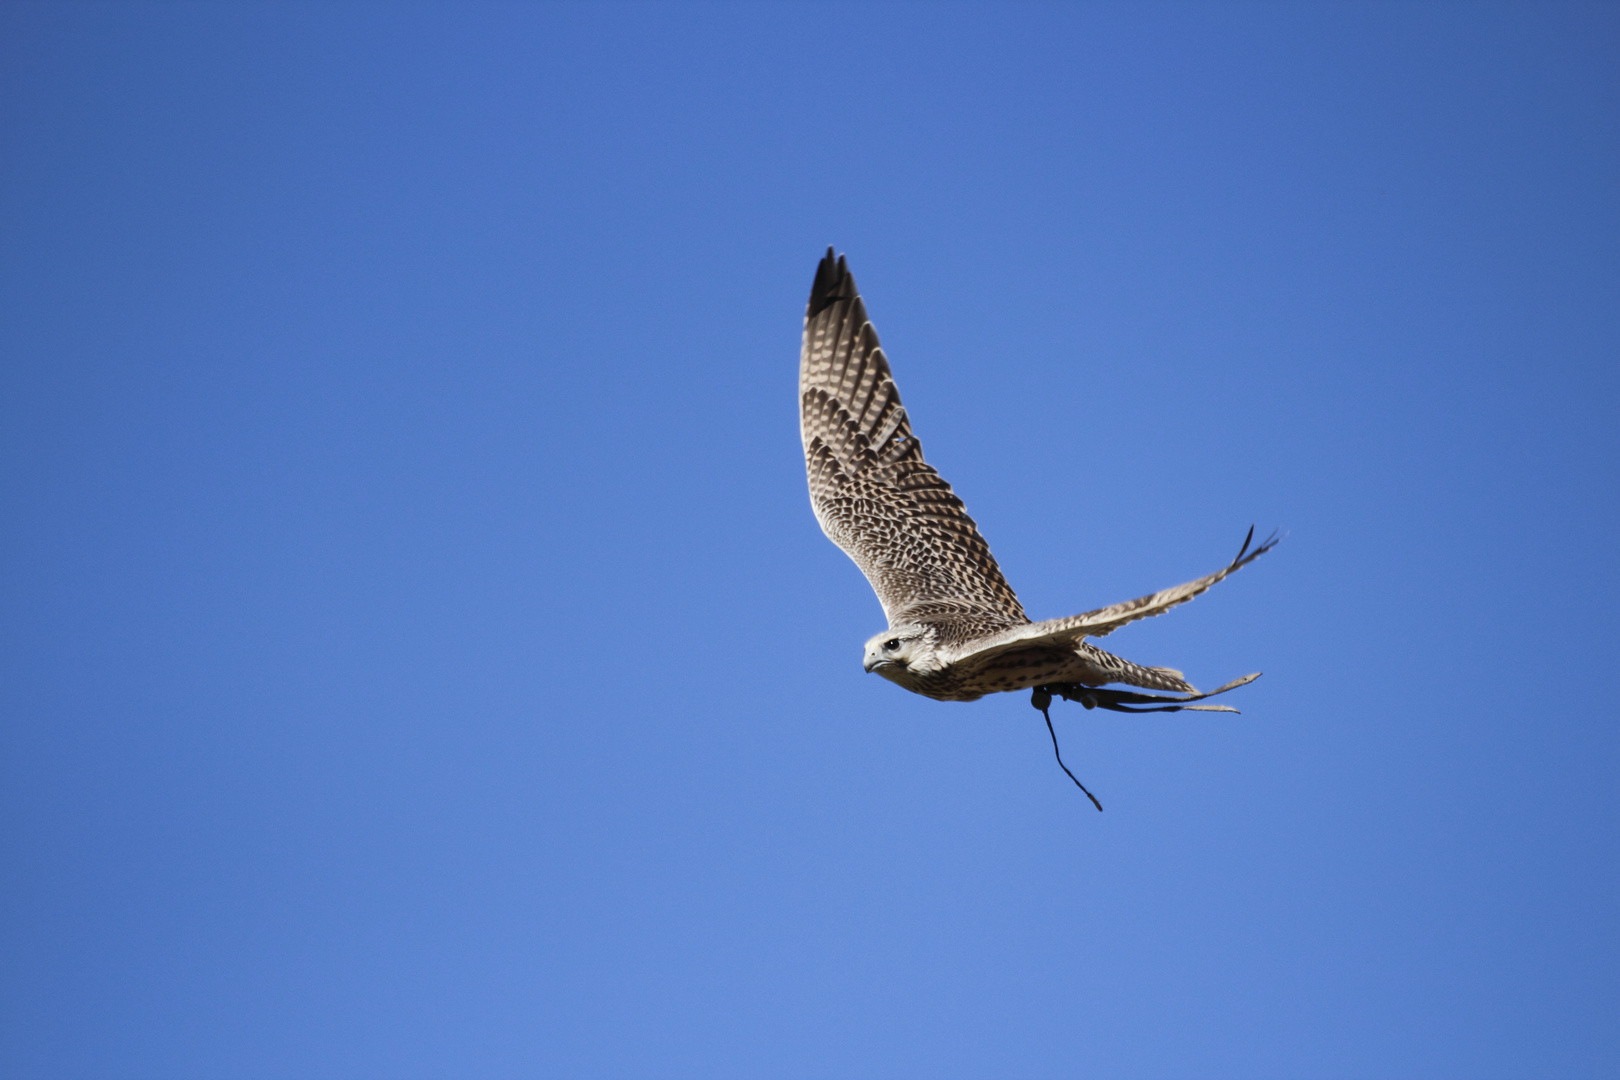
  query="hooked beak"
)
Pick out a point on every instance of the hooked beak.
point(874, 663)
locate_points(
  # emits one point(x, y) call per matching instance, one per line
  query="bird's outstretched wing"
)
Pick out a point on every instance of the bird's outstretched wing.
point(1104, 621)
point(872, 492)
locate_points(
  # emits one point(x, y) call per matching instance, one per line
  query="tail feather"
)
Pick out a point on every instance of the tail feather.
point(1121, 670)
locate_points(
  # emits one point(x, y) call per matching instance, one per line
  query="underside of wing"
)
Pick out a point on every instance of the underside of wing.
point(872, 492)
point(1104, 621)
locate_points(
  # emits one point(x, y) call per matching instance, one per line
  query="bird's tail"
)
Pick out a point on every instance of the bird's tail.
point(1121, 670)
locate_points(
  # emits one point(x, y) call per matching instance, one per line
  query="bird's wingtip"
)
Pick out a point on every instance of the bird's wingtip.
point(833, 283)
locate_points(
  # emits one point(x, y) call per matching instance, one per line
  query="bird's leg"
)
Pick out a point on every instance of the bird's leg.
point(1041, 698)
point(1093, 697)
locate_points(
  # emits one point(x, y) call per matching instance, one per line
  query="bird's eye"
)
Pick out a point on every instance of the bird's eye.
point(892, 644)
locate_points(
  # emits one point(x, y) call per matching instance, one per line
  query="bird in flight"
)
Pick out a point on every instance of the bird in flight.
point(956, 629)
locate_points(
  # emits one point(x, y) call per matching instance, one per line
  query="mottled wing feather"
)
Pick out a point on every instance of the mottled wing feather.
point(1104, 621)
point(872, 492)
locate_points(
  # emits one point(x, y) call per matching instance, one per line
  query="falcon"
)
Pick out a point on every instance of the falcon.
point(956, 629)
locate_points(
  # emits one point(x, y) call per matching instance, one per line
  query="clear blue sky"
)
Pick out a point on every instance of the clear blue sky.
point(419, 658)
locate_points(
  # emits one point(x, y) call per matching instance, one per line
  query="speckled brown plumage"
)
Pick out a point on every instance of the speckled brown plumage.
point(873, 493)
point(956, 628)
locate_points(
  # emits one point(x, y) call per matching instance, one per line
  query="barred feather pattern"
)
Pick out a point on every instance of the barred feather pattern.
point(872, 492)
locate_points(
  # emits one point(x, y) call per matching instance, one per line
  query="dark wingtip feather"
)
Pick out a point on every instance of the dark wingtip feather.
point(1245, 556)
point(833, 283)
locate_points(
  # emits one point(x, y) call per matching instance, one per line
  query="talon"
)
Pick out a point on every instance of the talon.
point(1041, 698)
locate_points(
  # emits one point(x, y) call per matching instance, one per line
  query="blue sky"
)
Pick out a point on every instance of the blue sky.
point(420, 660)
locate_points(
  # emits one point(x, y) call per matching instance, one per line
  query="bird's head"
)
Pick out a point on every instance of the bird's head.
point(903, 651)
